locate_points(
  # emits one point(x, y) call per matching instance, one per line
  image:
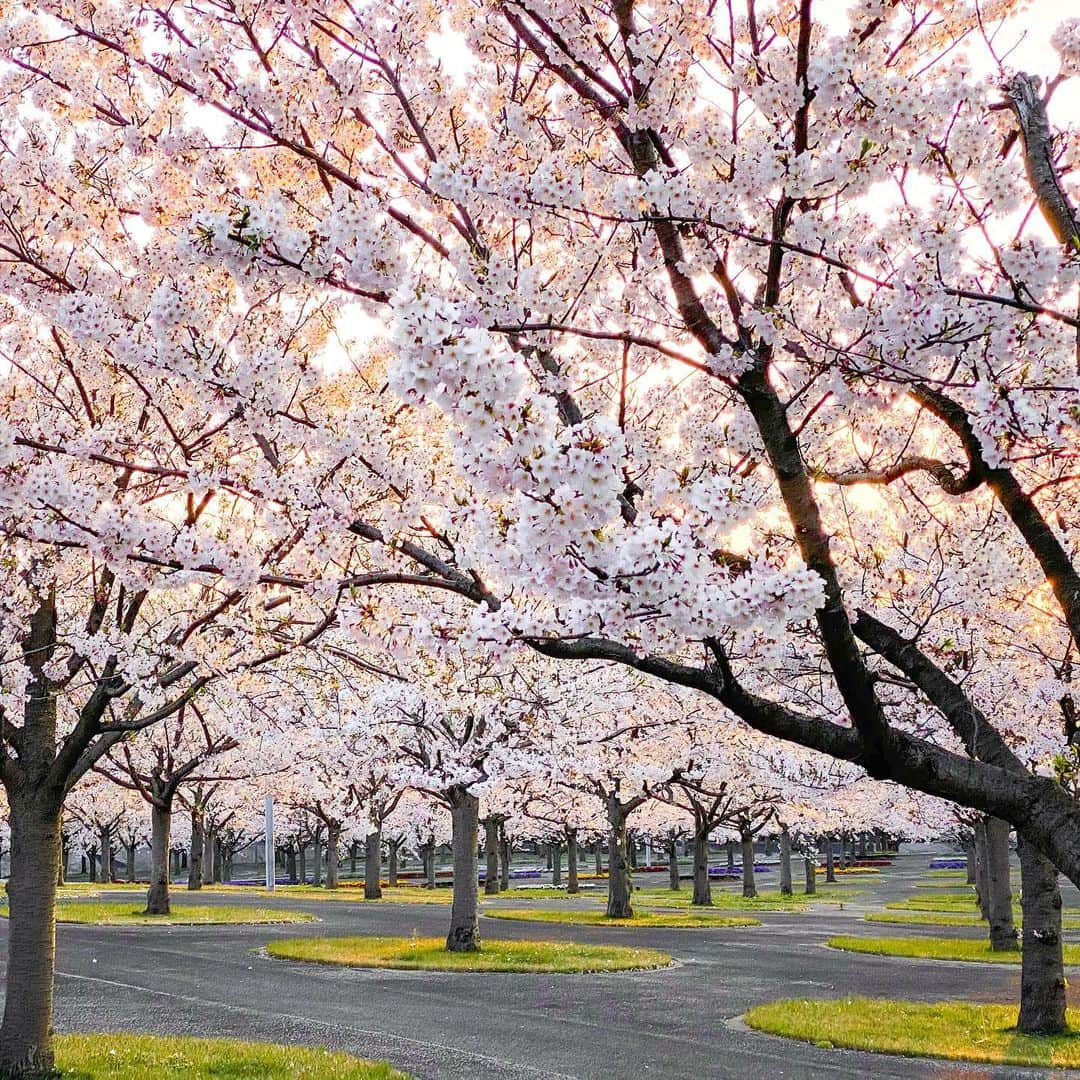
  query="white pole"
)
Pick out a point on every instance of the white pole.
point(269, 843)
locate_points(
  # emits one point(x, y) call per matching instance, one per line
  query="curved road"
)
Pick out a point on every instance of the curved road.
point(675, 1023)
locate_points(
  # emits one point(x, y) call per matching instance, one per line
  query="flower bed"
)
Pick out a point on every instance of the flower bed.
point(948, 864)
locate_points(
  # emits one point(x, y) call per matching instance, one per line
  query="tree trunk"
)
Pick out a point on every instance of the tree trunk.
point(373, 865)
point(93, 866)
point(333, 842)
point(157, 897)
point(673, 865)
point(210, 869)
point(830, 861)
point(505, 856)
point(810, 866)
point(862, 845)
point(556, 864)
point(105, 842)
point(131, 862)
point(1042, 978)
point(195, 867)
point(749, 886)
point(290, 863)
point(491, 856)
point(598, 851)
point(26, 1031)
point(969, 855)
point(392, 862)
point(1003, 936)
point(982, 883)
point(843, 851)
point(65, 854)
point(730, 848)
point(702, 887)
point(464, 935)
point(571, 862)
point(354, 847)
point(303, 864)
point(316, 857)
point(785, 862)
point(619, 883)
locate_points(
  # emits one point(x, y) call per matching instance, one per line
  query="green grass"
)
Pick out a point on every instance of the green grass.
point(958, 1031)
point(931, 918)
point(701, 918)
point(726, 901)
point(140, 1057)
point(429, 954)
point(930, 948)
point(398, 894)
point(546, 892)
point(119, 913)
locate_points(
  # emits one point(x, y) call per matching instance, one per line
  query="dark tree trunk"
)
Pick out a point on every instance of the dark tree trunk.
point(571, 862)
point(290, 863)
point(131, 862)
point(491, 856)
point(830, 862)
point(373, 865)
point(631, 851)
point(464, 934)
point(157, 897)
point(673, 864)
point(93, 865)
point(316, 857)
point(556, 864)
point(730, 848)
point(1042, 978)
point(1003, 937)
point(195, 866)
point(843, 851)
point(619, 882)
point(862, 845)
point(429, 863)
point(810, 866)
point(354, 847)
point(969, 854)
point(333, 842)
point(702, 887)
point(392, 862)
point(598, 851)
point(105, 840)
point(505, 855)
point(785, 862)
point(303, 864)
point(26, 1032)
point(982, 881)
point(65, 855)
point(749, 886)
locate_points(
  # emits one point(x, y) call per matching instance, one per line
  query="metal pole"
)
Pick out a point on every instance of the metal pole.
point(269, 841)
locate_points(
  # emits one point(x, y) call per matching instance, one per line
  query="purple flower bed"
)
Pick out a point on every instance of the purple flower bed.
point(948, 864)
point(736, 871)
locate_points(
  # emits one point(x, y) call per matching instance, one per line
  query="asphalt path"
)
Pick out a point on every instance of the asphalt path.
point(682, 1021)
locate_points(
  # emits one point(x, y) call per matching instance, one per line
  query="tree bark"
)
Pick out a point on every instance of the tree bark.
point(810, 866)
point(730, 847)
point(673, 864)
point(1003, 937)
point(316, 857)
point(131, 862)
point(571, 862)
point(303, 864)
point(556, 864)
point(195, 866)
point(505, 857)
point(429, 863)
point(702, 886)
point(93, 875)
point(392, 862)
point(619, 881)
point(749, 886)
point(464, 934)
point(157, 897)
point(982, 883)
point(1042, 978)
point(290, 863)
point(598, 851)
point(785, 862)
point(353, 848)
point(26, 1031)
point(373, 865)
point(105, 840)
point(491, 856)
point(969, 855)
point(830, 863)
point(333, 868)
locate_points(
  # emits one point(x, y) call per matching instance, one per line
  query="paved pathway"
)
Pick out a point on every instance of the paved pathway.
point(676, 1023)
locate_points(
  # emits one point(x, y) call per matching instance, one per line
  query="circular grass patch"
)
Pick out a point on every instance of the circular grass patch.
point(392, 894)
point(726, 901)
point(958, 1031)
point(120, 913)
point(430, 954)
point(697, 919)
point(931, 948)
point(136, 1057)
point(932, 918)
